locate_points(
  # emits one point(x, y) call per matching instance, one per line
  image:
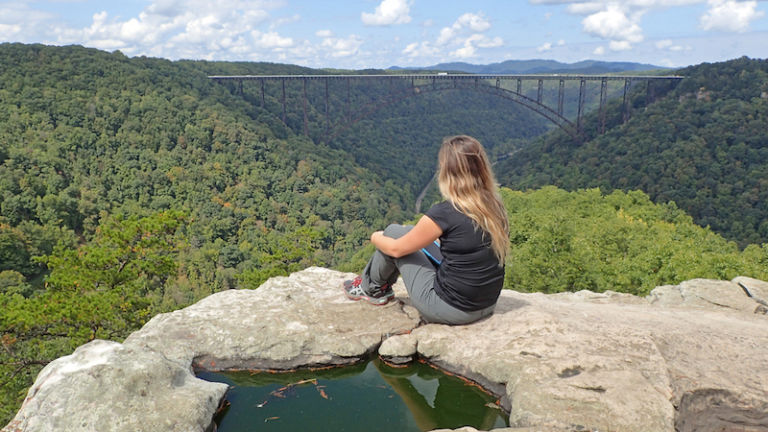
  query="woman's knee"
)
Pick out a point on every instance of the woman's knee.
point(396, 230)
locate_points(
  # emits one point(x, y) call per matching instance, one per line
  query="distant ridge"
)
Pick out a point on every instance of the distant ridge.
point(538, 66)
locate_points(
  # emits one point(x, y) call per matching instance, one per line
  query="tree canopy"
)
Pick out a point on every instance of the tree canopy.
point(703, 145)
point(585, 239)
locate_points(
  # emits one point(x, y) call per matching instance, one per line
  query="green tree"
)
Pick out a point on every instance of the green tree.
point(103, 289)
point(569, 241)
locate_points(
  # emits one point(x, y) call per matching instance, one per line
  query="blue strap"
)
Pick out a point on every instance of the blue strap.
point(434, 259)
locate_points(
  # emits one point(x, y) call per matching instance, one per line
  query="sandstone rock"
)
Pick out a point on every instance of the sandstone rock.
point(686, 357)
point(711, 410)
point(398, 349)
point(569, 364)
point(704, 294)
point(106, 386)
point(300, 320)
point(606, 297)
point(756, 289)
point(666, 295)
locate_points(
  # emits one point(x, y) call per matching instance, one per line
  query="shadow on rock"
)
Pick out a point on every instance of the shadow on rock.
point(507, 304)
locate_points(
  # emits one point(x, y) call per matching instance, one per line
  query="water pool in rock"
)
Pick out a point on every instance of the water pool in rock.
point(369, 396)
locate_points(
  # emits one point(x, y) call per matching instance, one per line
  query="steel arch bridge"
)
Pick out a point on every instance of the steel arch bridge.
point(526, 90)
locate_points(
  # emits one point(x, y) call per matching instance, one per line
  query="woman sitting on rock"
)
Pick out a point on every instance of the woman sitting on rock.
point(472, 227)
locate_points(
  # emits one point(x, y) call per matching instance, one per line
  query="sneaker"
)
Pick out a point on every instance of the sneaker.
point(378, 295)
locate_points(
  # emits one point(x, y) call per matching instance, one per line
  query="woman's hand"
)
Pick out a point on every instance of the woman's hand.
point(376, 233)
point(425, 232)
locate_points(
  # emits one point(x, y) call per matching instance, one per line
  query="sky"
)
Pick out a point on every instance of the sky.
point(361, 34)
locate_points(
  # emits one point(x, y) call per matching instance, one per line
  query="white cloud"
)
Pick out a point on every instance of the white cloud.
point(469, 49)
point(342, 47)
point(285, 20)
point(730, 15)
point(462, 39)
point(547, 46)
point(227, 29)
point(465, 52)
point(412, 49)
point(271, 40)
point(9, 31)
point(134, 29)
point(387, 13)
point(668, 45)
point(101, 34)
point(468, 21)
point(200, 29)
point(585, 8)
point(619, 22)
point(486, 42)
point(420, 49)
point(599, 51)
point(619, 46)
point(17, 17)
point(614, 25)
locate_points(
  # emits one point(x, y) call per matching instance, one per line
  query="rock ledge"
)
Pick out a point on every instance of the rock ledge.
point(687, 357)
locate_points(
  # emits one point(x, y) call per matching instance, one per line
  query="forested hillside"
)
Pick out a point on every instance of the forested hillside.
point(88, 134)
point(134, 186)
point(704, 146)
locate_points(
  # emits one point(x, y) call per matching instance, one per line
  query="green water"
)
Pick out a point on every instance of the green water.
point(370, 396)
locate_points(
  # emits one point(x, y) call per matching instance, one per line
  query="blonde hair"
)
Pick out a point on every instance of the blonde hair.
point(466, 181)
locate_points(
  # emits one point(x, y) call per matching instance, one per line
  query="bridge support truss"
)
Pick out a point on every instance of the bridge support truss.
point(526, 90)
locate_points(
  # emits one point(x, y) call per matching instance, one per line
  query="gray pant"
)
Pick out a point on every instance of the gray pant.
point(418, 274)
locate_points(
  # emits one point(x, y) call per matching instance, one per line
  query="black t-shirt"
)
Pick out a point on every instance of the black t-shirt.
point(469, 278)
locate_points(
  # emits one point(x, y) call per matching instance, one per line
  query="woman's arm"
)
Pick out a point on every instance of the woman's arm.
point(425, 232)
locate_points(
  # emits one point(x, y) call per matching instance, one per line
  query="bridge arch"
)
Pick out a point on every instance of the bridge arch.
point(371, 108)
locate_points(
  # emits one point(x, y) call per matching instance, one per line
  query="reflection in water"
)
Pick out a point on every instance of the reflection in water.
point(371, 395)
point(437, 400)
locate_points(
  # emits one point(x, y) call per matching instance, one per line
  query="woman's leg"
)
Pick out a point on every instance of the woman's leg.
point(419, 275)
point(382, 269)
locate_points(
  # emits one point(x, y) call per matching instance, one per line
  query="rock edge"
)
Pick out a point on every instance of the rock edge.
point(575, 361)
